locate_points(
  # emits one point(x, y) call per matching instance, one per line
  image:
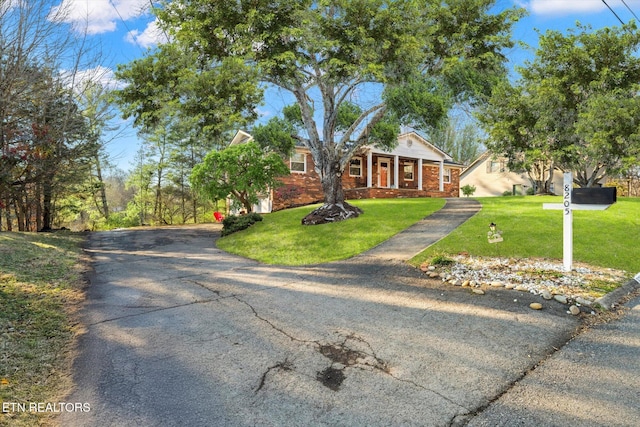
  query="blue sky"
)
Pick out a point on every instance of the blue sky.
point(124, 29)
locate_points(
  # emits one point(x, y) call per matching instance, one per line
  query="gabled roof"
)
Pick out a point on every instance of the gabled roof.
point(412, 144)
point(241, 137)
point(480, 159)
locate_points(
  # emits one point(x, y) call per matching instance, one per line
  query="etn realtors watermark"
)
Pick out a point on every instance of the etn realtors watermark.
point(45, 407)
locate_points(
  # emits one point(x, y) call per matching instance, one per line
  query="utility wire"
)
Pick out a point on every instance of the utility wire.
point(126, 26)
point(632, 12)
point(613, 11)
point(166, 36)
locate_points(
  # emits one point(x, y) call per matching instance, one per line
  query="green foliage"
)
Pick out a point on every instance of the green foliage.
point(243, 172)
point(441, 260)
point(468, 190)
point(421, 102)
point(214, 97)
point(275, 136)
point(234, 223)
point(459, 139)
point(575, 106)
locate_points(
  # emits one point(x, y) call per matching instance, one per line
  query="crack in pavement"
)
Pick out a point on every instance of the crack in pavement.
point(203, 301)
point(113, 319)
point(342, 354)
point(286, 365)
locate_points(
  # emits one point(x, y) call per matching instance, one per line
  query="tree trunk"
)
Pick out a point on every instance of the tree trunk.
point(38, 204)
point(103, 191)
point(550, 177)
point(47, 191)
point(334, 208)
point(7, 212)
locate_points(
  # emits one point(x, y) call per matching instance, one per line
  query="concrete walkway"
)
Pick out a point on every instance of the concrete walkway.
point(410, 242)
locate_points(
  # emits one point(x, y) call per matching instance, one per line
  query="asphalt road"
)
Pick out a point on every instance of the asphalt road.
point(179, 333)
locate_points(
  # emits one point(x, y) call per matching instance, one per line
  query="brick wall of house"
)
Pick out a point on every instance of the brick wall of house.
point(299, 189)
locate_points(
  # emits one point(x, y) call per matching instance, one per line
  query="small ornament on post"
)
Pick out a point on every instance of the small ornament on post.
point(494, 235)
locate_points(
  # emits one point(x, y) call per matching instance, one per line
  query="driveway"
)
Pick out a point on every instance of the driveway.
point(179, 333)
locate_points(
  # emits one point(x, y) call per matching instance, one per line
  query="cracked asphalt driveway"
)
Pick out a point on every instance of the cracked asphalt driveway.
point(180, 333)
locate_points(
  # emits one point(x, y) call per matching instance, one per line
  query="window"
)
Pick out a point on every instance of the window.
point(408, 171)
point(355, 166)
point(496, 165)
point(298, 163)
point(447, 176)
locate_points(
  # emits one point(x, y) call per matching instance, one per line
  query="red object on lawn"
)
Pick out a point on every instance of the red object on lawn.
point(218, 216)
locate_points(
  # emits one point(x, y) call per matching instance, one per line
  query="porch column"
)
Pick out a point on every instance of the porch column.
point(396, 173)
point(420, 173)
point(441, 175)
point(369, 169)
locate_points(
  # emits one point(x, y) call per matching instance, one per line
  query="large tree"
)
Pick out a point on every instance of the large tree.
point(399, 61)
point(575, 106)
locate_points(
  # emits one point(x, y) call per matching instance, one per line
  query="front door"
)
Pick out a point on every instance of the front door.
point(383, 172)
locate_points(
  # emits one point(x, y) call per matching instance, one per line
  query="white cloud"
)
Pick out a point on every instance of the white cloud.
point(97, 16)
point(101, 75)
point(557, 7)
point(151, 36)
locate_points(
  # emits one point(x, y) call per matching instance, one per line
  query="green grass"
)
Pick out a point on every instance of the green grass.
point(39, 283)
point(281, 239)
point(601, 238)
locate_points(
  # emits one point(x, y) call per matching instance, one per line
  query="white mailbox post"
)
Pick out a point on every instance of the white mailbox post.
point(567, 213)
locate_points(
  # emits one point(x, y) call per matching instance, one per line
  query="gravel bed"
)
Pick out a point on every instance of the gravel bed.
point(543, 277)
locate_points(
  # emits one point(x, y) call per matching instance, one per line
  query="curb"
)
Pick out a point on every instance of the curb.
point(609, 300)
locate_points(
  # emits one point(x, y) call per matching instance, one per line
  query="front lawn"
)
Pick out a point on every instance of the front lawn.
point(601, 238)
point(40, 283)
point(281, 239)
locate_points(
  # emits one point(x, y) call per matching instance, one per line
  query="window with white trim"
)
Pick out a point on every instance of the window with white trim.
point(355, 167)
point(298, 163)
point(446, 176)
point(408, 171)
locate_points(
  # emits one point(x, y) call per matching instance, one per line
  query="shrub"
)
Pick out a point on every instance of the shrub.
point(507, 193)
point(468, 190)
point(234, 223)
point(531, 191)
point(441, 260)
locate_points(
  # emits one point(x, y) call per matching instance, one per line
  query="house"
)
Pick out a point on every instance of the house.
point(491, 177)
point(414, 168)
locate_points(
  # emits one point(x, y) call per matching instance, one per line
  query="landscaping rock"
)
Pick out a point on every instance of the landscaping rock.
point(535, 306)
point(574, 310)
point(560, 298)
point(546, 295)
point(583, 301)
point(478, 291)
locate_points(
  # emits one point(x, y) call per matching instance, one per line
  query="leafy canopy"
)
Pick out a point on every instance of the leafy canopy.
point(243, 172)
point(575, 104)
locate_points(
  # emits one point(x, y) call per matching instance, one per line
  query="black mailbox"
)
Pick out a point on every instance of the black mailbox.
point(594, 196)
